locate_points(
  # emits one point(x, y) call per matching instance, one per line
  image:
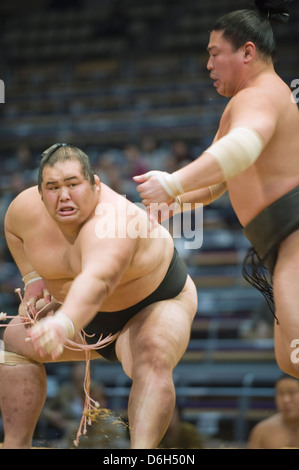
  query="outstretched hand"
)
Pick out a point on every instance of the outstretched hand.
point(48, 337)
point(49, 334)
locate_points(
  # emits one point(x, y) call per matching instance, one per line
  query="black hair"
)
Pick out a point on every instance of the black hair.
point(61, 153)
point(284, 376)
point(254, 25)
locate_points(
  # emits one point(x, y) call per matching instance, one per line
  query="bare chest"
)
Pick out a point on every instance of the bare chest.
point(282, 438)
point(52, 256)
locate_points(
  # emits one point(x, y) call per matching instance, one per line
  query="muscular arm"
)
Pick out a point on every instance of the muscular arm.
point(252, 109)
point(15, 243)
point(103, 264)
point(205, 195)
point(37, 289)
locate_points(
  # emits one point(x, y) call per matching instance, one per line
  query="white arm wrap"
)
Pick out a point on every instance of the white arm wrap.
point(31, 277)
point(169, 182)
point(65, 322)
point(237, 151)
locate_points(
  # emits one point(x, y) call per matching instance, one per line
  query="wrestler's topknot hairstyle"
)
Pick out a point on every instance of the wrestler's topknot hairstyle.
point(61, 153)
point(254, 25)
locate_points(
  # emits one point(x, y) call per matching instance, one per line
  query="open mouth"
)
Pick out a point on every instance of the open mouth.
point(215, 80)
point(68, 210)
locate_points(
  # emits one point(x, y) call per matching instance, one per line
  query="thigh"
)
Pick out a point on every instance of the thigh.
point(285, 283)
point(15, 341)
point(162, 328)
point(286, 296)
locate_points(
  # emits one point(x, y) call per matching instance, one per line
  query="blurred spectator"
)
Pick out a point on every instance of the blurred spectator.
point(136, 165)
point(282, 429)
point(180, 156)
point(23, 164)
point(10, 278)
point(154, 156)
point(260, 324)
point(181, 434)
point(109, 167)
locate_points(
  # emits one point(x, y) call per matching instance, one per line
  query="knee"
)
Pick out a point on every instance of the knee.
point(153, 355)
point(14, 340)
point(9, 338)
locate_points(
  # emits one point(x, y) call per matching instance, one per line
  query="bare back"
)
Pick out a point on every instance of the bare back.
point(277, 169)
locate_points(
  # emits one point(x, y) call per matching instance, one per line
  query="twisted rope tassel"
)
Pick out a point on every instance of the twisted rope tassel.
point(28, 319)
point(91, 407)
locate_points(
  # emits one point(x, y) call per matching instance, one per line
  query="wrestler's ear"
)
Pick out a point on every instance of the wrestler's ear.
point(97, 182)
point(249, 51)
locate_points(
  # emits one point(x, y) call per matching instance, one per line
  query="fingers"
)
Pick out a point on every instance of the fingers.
point(145, 176)
point(46, 339)
point(146, 202)
point(47, 296)
point(140, 178)
point(154, 187)
point(142, 188)
point(31, 304)
point(23, 315)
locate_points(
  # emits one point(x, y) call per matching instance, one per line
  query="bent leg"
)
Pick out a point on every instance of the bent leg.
point(23, 391)
point(149, 348)
point(23, 388)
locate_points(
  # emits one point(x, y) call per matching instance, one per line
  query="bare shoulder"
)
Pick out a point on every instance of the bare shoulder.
point(115, 213)
point(108, 225)
point(268, 92)
point(251, 98)
point(262, 429)
point(25, 203)
point(29, 195)
point(271, 423)
point(258, 106)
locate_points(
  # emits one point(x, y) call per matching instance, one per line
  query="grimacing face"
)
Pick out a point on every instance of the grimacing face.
point(68, 196)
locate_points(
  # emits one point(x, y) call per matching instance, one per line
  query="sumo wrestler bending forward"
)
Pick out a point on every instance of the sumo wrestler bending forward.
point(135, 288)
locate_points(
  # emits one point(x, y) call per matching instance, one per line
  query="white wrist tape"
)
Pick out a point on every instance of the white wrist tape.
point(30, 278)
point(217, 190)
point(169, 182)
point(237, 151)
point(65, 322)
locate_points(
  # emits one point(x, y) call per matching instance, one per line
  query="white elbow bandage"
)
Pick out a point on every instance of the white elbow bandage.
point(169, 182)
point(237, 151)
